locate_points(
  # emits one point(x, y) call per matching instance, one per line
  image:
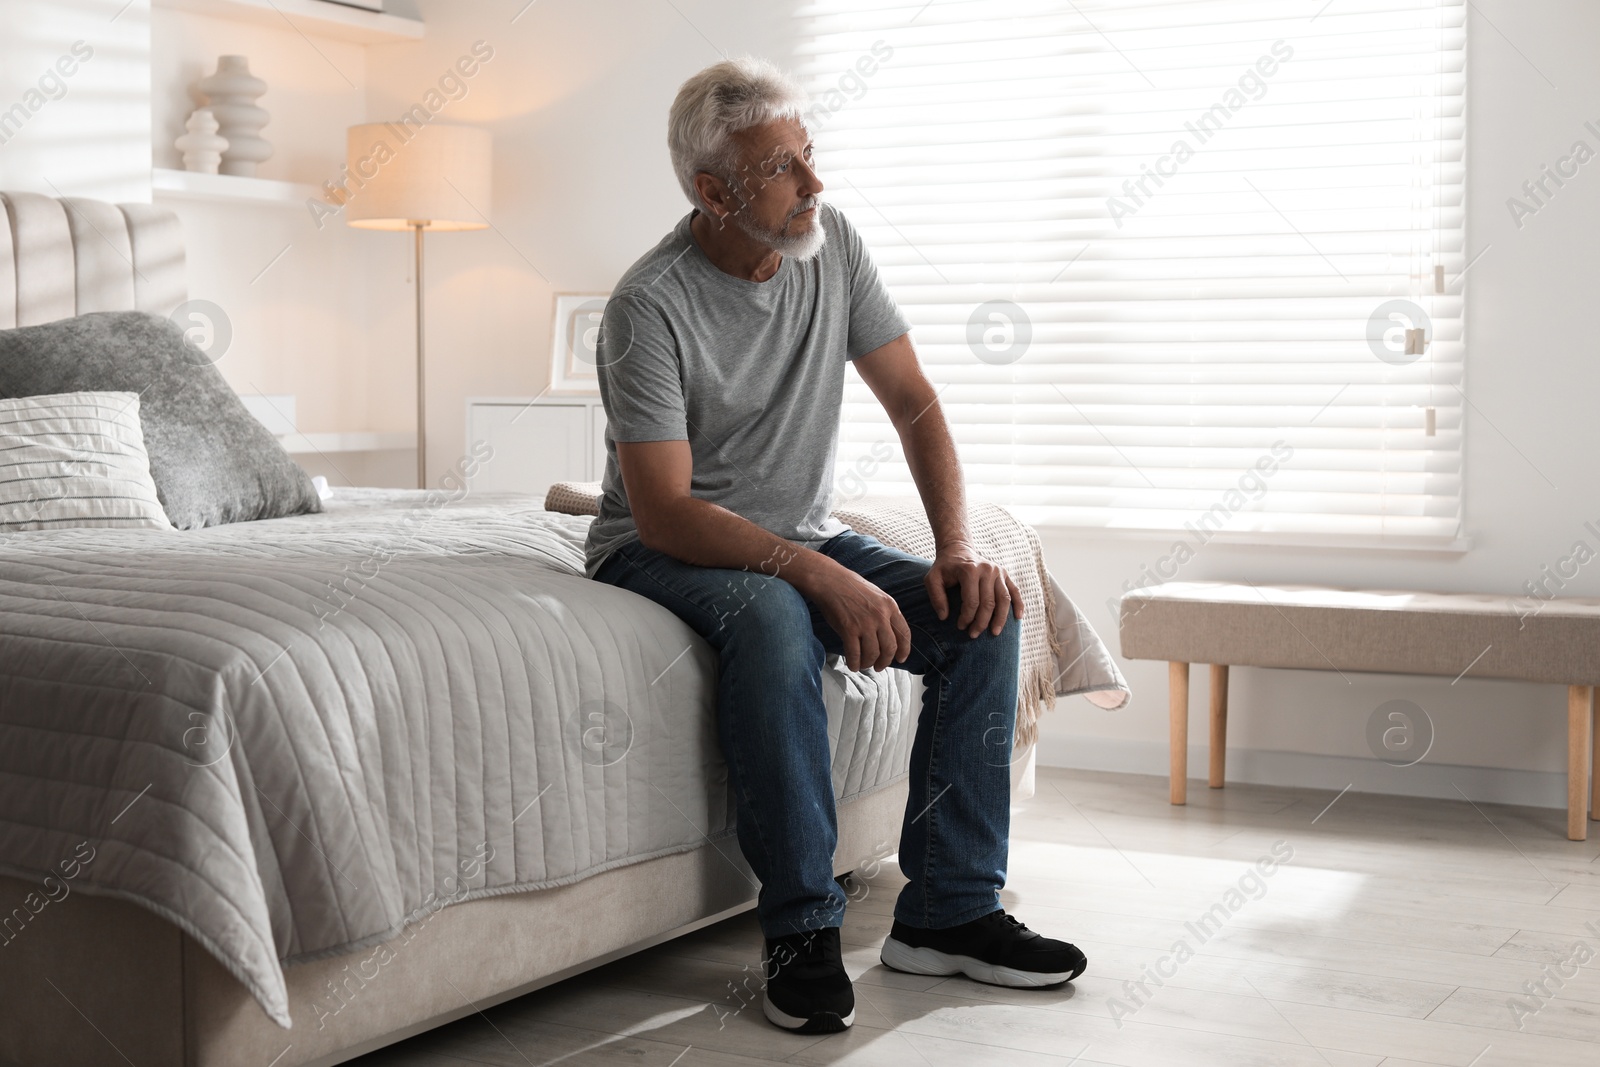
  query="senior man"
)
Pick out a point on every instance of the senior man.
point(722, 363)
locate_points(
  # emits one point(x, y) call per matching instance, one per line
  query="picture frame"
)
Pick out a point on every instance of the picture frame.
point(575, 329)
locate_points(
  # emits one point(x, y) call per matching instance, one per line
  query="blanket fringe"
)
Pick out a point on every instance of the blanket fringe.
point(1036, 692)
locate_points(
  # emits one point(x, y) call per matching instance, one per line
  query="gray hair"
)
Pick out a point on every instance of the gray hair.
point(719, 102)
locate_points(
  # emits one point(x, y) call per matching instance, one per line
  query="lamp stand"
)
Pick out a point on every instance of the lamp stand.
point(422, 375)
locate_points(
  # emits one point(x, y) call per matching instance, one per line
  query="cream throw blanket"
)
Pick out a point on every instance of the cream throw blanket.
point(1061, 653)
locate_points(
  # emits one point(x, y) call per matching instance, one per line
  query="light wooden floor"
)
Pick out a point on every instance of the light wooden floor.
point(1399, 934)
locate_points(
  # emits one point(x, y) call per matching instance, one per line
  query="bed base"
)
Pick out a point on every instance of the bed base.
point(99, 980)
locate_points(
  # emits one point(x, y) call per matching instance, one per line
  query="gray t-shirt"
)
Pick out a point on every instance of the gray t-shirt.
point(751, 374)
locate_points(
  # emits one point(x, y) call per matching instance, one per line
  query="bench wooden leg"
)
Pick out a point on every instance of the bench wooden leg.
point(1579, 744)
point(1178, 681)
point(1219, 723)
point(1594, 759)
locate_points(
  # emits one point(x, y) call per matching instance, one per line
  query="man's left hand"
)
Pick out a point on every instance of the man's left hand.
point(988, 595)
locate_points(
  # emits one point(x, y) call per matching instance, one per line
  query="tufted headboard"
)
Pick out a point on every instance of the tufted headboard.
point(60, 258)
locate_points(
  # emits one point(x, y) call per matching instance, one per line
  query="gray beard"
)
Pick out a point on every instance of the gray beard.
point(800, 247)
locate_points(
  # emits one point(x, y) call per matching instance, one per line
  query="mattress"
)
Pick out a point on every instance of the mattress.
point(292, 737)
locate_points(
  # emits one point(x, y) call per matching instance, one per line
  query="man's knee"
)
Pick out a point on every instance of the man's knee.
point(1008, 635)
point(1004, 649)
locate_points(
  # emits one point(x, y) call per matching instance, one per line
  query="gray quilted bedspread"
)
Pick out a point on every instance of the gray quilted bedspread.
point(291, 737)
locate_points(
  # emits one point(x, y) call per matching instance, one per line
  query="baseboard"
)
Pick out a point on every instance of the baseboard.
point(1490, 785)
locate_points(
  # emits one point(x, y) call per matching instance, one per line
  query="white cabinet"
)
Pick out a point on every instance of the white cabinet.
point(536, 441)
point(597, 443)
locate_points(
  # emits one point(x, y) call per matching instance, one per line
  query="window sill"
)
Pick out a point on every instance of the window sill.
point(1454, 546)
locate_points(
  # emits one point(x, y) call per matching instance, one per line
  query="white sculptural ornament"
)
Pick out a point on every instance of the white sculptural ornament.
point(202, 146)
point(232, 92)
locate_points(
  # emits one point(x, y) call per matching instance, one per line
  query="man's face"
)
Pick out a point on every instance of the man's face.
point(776, 189)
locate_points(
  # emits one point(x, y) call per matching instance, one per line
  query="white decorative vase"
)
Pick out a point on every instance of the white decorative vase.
point(232, 92)
point(202, 148)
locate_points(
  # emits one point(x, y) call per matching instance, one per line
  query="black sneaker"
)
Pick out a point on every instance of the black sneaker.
point(807, 988)
point(996, 949)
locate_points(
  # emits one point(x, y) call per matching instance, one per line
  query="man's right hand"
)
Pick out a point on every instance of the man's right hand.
point(866, 618)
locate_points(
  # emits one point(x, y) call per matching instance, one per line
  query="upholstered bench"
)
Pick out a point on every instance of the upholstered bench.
point(1309, 628)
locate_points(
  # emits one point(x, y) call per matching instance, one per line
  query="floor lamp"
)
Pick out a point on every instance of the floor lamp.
point(402, 177)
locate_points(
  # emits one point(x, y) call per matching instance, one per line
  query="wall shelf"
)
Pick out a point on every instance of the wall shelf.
point(355, 441)
point(186, 185)
point(316, 17)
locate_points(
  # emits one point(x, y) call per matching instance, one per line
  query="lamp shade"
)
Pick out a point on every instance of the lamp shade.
point(402, 176)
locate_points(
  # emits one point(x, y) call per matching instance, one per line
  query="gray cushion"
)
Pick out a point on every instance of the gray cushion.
point(211, 460)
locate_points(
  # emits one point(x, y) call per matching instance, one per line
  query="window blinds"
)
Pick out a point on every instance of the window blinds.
point(1165, 261)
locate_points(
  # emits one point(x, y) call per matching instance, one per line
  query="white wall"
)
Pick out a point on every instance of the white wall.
point(88, 133)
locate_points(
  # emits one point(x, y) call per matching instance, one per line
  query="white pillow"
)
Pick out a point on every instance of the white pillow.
point(75, 459)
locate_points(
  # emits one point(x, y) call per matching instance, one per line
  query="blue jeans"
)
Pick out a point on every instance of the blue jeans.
point(774, 732)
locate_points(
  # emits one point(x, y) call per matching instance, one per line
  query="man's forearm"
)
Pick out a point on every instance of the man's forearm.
point(701, 533)
point(935, 467)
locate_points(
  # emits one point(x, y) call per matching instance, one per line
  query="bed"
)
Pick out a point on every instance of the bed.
point(282, 792)
point(291, 741)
